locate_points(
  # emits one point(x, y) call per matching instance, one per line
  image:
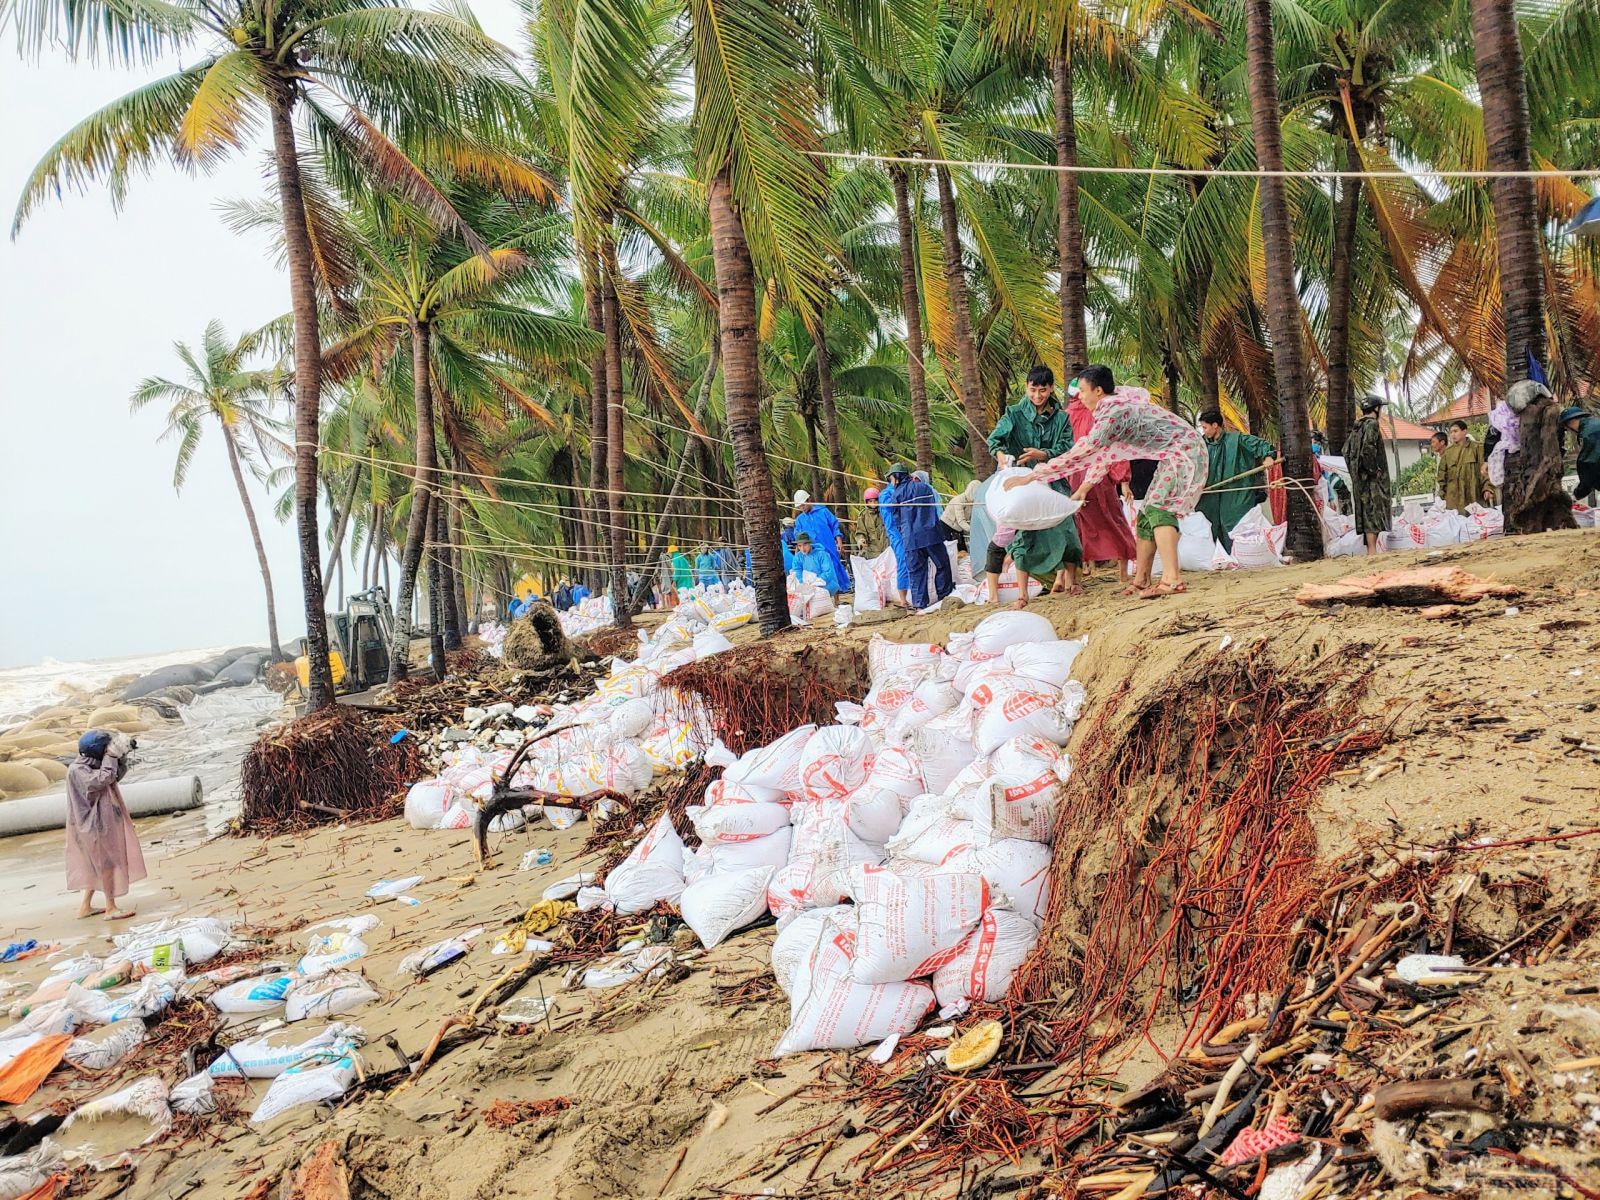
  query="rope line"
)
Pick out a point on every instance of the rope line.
point(1209, 172)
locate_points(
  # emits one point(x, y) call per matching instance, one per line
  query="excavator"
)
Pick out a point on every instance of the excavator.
point(358, 643)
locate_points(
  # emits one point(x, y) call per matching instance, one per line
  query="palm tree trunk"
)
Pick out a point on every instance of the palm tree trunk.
point(342, 518)
point(808, 415)
point(366, 558)
point(1069, 230)
point(255, 536)
point(307, 387)
point(1210, 385)
point(830, 413)
point(741, 386)
point(417, 525)
point(1533, 497)
point(1505, 127)
point(1283, 304)
point(971, 388)
point(443, 572)
point(1346, 217)
point(436, 652)
point(458, 568)
point(599, 501)
point(616, 508)
point(911, 304)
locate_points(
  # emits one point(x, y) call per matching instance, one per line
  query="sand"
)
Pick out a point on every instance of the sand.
point(1492, 718)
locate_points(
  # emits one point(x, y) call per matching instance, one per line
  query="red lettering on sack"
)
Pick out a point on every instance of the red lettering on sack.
point(978, 981)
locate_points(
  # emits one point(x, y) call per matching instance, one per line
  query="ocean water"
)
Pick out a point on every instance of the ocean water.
point(209, 740)
point(24, 690)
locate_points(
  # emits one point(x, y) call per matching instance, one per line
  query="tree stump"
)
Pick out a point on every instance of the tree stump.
point(1533, 499)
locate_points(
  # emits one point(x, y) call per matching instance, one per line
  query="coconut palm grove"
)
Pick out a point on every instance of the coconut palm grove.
point(555, 306)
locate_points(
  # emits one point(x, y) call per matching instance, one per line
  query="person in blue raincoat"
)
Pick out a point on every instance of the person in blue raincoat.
point(902, 573)
point(808, 559)
point(915, 513)
point(705, 568)
point(823, 527)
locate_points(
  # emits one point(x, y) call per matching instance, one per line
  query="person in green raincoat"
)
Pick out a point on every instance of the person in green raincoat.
point(1369, 475)
point(1035, 430)
point(1229, 455)
point(682, 571)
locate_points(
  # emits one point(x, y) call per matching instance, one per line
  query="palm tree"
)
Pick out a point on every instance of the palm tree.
point(755, 118)
point(350, 68)
point(221, 388)
point(1534, 500)
point(1283, 302)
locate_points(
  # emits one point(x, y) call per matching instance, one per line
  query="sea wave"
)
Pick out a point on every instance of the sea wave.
point(24, 690)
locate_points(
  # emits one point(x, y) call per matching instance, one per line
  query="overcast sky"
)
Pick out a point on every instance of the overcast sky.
point(101, 558)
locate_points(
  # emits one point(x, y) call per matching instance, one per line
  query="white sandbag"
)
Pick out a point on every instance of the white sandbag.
point(798, 938)
point(821, 857)
point(721, 791)
point(103, 1048)
point(22, 1174)
point(886, 658)
point(835, 762)
point(932, 698)
point(872, 814)
point(734, 822)
point(708, 642)
point(427, 802)
point(906, 927)
point(1197, 548)
point(773, 766)
point(195, 1096)
point(1032, 506)
point(152, 996)
point(327, 996)
point(1019, 801)
point(722, 902)
point(945, 749)
point(1256, 541)
point(270, 1054)
point(1045, 662)
point(631, 718)
point(306, 1085)
point(770, 851)
point(203, 938)
point(830, 1010)
point(1017, 870)
point(260, 995)
point(867, 596)
point(652, 872)
point(995, 634)
point(932, 834)
point(981, 969)
point(896, 770)
point(330, 951)
point(144, 1100)
point(1013, 707)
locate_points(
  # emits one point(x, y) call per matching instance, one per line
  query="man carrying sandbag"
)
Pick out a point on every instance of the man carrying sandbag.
point(1030, 432)
point(915, 513)
point(1128, 427)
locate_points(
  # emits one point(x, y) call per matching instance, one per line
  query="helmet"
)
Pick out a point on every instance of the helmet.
point(94, 743)
point(870, 494)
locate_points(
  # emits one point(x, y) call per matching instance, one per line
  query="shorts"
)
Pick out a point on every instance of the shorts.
point(995, 561)
point(1151, 519)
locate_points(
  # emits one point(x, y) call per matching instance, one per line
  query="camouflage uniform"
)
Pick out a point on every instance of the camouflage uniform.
point(1369, 476)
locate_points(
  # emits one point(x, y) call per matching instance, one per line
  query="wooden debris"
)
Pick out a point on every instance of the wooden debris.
point(1406, 587)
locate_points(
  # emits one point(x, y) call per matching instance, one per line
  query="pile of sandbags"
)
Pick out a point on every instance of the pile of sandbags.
point(618, 738)
point(905, 852)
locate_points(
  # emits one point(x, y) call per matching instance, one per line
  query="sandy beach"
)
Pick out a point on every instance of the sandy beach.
point(668, 1087)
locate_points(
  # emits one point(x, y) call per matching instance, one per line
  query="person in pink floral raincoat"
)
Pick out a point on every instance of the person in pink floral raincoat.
point(1128, 426)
